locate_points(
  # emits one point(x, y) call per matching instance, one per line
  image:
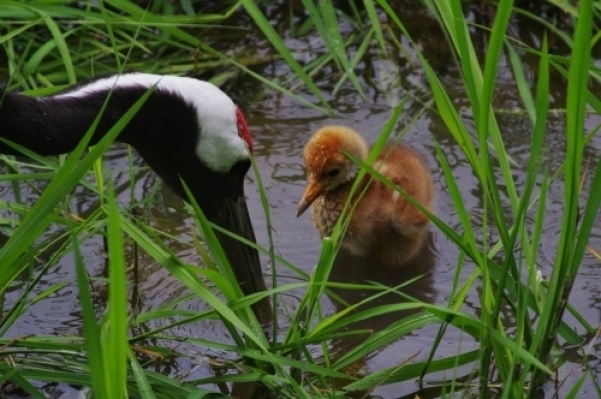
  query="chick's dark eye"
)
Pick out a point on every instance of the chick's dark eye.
point(333, 173)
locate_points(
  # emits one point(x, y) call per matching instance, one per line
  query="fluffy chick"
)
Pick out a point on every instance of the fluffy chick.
point(384, 224)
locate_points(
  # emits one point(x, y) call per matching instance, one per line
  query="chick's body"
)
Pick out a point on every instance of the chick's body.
point(384, 225)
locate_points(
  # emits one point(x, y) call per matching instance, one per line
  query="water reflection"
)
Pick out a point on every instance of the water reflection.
point(352, 269)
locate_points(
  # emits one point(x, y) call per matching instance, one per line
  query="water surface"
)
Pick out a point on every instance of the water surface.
point(280, 127)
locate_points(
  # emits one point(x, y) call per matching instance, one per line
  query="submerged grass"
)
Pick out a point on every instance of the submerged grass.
point(52, 44)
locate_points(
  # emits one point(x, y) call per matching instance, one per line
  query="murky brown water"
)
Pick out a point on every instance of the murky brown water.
point(280, 126)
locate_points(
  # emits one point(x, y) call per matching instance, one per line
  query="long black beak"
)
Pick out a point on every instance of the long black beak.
point(243, 258)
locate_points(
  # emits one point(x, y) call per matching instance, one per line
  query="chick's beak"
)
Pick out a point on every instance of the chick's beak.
point(243, 258)
point(312, 192)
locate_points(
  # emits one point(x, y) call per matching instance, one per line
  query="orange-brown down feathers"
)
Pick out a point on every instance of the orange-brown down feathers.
point(384, 224)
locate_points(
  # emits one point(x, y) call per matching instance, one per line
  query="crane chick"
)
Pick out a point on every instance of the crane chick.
point(384, 225)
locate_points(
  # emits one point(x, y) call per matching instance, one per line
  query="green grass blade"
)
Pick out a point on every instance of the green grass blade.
point(140, 377)
point(91, 329)
point(375, 23)
point(16, 32)
point(62, 46)
point(329, 15)
point(521, 81)
point(272, 257)
point(253, 10)
point(115, 344)
point(410, 371)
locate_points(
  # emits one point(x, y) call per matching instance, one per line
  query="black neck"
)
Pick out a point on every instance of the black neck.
point(54, 125)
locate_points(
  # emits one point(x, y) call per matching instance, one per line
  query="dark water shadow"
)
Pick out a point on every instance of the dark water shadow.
point(358, 270)
point(348, 268)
